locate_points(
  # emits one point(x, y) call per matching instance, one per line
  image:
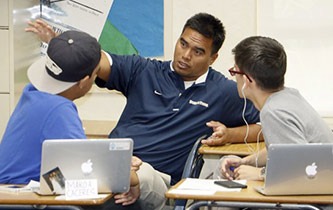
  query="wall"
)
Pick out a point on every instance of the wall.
point(307, 59)
point(17, 51)
point(108, 105)
point(305, 28)
point(308, 68)
point(5, 65)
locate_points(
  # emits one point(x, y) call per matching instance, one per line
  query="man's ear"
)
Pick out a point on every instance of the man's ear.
point(213, 58)
point(83, 82)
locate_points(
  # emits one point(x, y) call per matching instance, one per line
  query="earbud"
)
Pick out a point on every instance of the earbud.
point(243, 87)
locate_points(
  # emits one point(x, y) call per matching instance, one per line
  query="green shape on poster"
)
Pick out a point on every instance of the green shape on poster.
point(113, 41)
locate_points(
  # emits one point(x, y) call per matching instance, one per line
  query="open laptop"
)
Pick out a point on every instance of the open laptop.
point(106, 160)
point(298, 169)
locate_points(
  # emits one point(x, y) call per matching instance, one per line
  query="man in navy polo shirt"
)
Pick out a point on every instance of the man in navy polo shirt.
point(170, 104)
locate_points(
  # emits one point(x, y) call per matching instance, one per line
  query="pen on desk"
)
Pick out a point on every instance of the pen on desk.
point(232, 168)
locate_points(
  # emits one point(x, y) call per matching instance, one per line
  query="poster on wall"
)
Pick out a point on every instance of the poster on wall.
point(82, 15)
point(121, 27)
point(138, 27)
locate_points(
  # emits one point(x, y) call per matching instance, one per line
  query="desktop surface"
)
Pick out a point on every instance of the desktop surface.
point(31, 198)
point(251, 195)
point(240, 149)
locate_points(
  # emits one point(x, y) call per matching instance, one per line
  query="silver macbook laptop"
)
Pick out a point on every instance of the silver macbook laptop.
point(106, 160)
point(294, 169)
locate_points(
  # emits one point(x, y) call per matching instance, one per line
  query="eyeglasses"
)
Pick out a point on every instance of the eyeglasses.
point(234, 72)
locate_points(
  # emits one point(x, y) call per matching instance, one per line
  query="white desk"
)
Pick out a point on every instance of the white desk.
point(32, 199)
point(250, 198)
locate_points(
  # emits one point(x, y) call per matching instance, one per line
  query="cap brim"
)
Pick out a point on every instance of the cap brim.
point(42, 81)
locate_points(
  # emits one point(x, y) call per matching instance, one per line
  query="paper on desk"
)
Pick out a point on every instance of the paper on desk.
point(202, 187)
point(33, 184)
point(19, 188)
point(99, 196)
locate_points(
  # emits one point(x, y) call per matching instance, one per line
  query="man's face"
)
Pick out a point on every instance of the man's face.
point(192, 55)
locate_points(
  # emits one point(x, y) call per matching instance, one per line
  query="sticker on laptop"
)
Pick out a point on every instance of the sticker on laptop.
point(120, 145)
point(55, 180)
point(81, 189)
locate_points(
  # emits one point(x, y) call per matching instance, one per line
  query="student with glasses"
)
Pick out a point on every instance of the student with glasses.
point(285, 116)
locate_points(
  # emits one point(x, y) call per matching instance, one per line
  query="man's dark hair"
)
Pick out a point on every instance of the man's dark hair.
point(209, 26)
point(264, 59)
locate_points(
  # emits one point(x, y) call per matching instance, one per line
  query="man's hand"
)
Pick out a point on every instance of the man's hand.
point(220, 134)
point(43, 30)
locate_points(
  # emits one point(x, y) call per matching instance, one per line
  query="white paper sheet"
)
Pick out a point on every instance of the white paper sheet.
point(202, 187)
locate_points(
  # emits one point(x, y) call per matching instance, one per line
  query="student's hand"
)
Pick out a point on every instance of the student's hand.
point(133, 194)
point(43, 30)
point(220, 134)
point(136, 163)
point(247, 172)
point(129, 197)
point(228, 166)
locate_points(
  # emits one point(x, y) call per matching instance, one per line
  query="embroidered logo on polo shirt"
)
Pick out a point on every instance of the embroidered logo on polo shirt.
point(200, 103)
point(157, 93)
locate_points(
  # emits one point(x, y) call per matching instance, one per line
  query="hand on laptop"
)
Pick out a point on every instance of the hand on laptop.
point(136, 163)
point(129, 197)
point(133, 194)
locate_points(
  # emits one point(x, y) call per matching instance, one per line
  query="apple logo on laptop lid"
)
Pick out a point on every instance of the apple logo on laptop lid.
point(311, 170)
point(86, 167)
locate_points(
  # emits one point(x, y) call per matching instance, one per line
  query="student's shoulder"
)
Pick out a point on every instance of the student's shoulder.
point(137, 61)
point(219, 79)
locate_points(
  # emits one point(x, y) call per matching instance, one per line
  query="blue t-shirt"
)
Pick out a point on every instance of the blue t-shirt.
point(162, 117)
point(37, 116)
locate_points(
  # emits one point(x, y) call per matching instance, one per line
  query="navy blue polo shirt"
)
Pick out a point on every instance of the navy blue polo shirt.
point(162, 117)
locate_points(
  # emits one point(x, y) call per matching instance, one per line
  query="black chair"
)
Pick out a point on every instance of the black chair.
point(192, 169)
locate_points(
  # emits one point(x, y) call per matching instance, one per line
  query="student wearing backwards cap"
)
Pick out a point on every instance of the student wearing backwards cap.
point(46, 111)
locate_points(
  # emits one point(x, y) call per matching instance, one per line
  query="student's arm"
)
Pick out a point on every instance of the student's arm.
point(43, 30)
point(256, 159)
point(134, 179)
point(45, 33)
point(136, 163)
point(251, 166)
point(105, 71)
point(222, 134)
point(133, 194)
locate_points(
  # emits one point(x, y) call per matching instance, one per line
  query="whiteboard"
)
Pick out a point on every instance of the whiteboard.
point(305, 29)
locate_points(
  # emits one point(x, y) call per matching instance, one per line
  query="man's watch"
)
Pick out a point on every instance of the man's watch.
point(262, 173)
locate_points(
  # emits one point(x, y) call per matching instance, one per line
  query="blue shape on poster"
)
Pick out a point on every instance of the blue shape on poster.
point(141, 21)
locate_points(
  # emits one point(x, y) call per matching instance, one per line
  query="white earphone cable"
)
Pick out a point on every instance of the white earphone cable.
point(248, 129)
